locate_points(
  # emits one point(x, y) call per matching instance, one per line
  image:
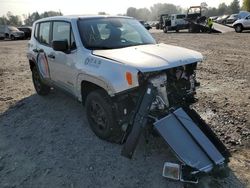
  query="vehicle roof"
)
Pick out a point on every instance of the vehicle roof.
point(75, 17)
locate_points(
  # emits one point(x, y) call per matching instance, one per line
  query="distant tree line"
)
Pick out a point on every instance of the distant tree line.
point(223, 9)
point(28, 20)
point(157, 9)
point(11, 19)
point(141, 14)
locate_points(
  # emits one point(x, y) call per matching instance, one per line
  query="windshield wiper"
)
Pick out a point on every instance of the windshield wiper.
point(100, 47)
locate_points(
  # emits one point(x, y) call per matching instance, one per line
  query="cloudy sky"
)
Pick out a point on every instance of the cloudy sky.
point(20, 7)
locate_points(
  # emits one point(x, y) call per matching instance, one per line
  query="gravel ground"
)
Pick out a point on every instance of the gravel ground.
point(46, 141)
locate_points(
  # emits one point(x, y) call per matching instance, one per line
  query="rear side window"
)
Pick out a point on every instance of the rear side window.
point(44, 33)
point(62, 31)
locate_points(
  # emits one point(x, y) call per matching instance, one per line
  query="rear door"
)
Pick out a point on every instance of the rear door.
point(43, 48)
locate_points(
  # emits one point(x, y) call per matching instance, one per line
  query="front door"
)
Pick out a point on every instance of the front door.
point(62, 64)
point(247, 22)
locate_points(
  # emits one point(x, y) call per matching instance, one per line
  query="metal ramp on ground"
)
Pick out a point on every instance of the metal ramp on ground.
point(222, 28)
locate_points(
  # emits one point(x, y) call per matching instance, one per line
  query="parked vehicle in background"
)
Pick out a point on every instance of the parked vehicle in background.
point(2, 32)
point(11, 32)
point(175, 22)
point(232, 18)
point(152, 23)
point(242, 24)
point(145, 24)
point(213, 18)
point(222, 19)
point(27, 31)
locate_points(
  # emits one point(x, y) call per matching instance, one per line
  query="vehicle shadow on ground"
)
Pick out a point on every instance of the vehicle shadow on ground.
point(245, 31)
point(46, 142)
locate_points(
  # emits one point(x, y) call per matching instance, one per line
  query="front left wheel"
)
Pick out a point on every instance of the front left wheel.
point(238, 28)
point(101, 117)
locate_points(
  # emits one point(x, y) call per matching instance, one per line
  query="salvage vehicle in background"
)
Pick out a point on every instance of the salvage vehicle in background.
point(242, 24)
point(129, 84)
point(175, 22)
point(196, 20)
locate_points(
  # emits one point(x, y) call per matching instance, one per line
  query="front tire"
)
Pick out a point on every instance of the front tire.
point(238, 28)
point(40, 87)
point(101, 116)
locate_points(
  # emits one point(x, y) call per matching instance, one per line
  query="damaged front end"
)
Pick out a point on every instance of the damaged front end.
point(165, 101)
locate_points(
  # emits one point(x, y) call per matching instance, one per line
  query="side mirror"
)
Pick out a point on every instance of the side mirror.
point(60, 45)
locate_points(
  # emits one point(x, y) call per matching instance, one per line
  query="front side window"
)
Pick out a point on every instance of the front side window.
point(44, 32)
point(36, 30)
point(111, 33)
point(181, 16)
point(62, 31)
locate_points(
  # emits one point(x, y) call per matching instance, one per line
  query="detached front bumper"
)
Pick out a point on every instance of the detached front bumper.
point(193, 142)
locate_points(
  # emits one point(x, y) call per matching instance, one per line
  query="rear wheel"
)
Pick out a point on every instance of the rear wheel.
point(101, 117)
point(40, 87)
point(238, 28)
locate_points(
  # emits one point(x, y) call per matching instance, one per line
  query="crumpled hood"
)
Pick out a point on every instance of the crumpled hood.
point(153, 57)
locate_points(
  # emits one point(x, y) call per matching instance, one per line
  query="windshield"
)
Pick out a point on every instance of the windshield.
point(111, 33)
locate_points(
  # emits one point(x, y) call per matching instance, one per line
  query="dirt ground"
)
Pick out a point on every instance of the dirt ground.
point(46, 141)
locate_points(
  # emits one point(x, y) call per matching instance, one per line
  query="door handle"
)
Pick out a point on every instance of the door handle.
point(51, 56)
point(38, 51)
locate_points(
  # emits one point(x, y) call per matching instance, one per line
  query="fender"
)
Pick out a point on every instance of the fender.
point(100, 81)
